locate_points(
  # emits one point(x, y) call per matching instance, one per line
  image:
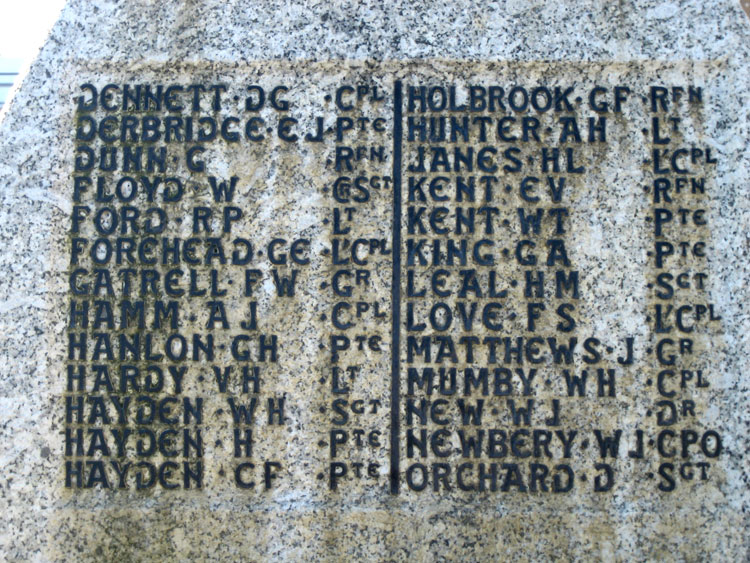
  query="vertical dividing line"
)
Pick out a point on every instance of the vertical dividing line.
point(396, 290)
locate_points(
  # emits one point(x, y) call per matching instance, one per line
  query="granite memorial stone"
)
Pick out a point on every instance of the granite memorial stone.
point(398, 281)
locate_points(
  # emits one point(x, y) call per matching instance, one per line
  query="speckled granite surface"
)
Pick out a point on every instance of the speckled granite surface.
point(670, 491)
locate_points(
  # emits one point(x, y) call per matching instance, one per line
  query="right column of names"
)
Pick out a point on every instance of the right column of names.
point(506, 385)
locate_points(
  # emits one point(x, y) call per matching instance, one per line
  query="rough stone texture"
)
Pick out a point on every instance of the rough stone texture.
point(317, 46)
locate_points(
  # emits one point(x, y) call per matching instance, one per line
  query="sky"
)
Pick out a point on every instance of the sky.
point(24, 25)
